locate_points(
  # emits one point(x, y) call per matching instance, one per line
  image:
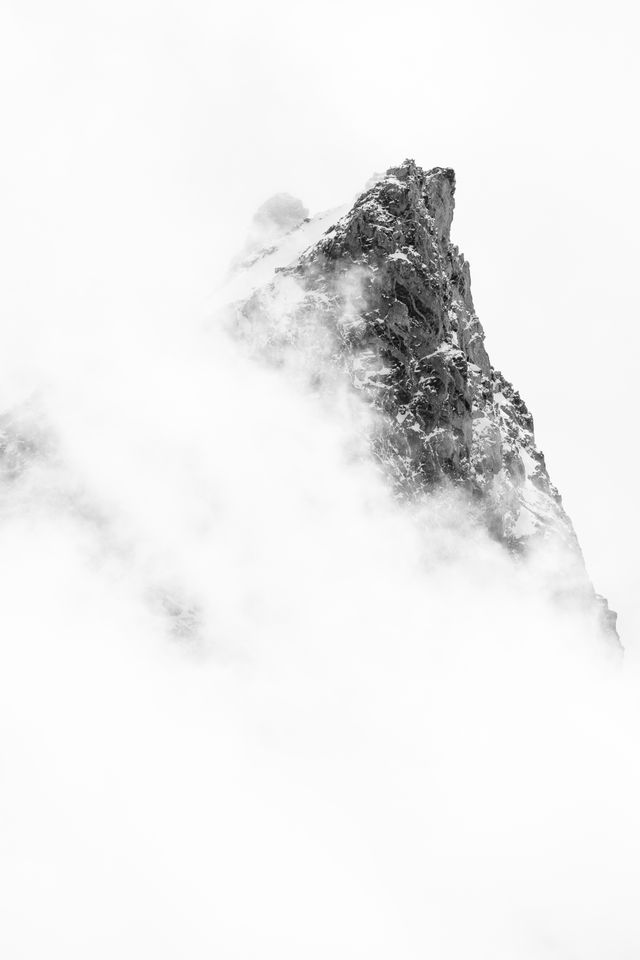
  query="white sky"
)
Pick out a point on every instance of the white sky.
point(361, 758)
point(175, 120)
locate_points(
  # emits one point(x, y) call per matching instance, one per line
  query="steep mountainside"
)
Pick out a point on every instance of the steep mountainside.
point(392, 296)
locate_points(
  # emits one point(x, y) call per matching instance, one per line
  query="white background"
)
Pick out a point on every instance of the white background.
point(174, 121)
point(357, 758)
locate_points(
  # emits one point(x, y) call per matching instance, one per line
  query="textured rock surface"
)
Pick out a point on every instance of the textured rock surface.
point(392, 297)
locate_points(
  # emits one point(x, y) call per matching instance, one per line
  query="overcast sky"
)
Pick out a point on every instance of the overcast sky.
point(247, 708)
point(179, 119)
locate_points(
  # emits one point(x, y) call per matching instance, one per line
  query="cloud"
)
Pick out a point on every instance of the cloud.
point(252, 705)
point(248, 705)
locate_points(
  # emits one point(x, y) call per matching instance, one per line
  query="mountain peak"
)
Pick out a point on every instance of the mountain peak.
point(409, 170)
point(436, 187)
point(393, 295)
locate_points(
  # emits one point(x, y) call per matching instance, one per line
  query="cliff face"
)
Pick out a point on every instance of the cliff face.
point(392, 296)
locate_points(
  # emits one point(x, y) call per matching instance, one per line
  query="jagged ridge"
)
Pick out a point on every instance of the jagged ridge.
point(396, 295)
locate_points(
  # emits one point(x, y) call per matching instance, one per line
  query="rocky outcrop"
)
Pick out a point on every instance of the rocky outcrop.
point(392, 296)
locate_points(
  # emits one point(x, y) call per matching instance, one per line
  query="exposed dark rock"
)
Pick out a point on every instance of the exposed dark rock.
point(393, 295)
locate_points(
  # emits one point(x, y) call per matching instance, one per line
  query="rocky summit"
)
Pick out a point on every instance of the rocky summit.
point(392, 297)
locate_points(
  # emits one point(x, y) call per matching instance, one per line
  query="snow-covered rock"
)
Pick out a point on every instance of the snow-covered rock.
point(392, 297)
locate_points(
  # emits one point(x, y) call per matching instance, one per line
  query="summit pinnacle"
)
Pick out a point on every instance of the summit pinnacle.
point(394, 296)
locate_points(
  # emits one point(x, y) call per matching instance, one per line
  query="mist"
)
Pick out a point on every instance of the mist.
point(251, 705)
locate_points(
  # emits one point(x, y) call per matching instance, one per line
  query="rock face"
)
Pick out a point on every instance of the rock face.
point(392, 296)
